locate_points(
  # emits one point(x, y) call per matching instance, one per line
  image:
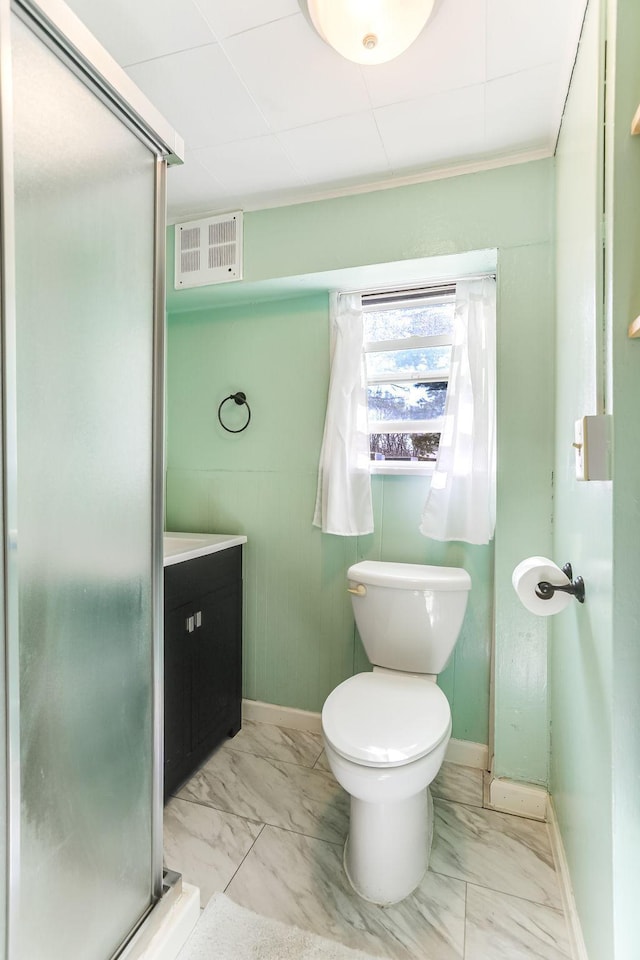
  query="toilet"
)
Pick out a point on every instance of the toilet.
point(386, 732)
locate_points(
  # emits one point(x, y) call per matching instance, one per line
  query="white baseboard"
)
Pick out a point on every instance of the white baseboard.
point(166, 938)
point(521, 799)
point(281, 716)
point(464, 752)
point(468, 754)
point(576, 940)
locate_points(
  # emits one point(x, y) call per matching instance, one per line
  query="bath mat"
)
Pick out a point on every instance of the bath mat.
point(226, 931)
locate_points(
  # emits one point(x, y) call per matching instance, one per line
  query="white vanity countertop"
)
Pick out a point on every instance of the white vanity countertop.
point(186, 546)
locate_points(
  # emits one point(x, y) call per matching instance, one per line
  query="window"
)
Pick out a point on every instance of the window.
point(408, 336)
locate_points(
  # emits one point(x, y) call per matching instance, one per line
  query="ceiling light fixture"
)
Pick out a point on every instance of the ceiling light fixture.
point(370, 31)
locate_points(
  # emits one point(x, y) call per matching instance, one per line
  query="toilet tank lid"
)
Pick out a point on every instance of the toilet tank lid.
point(409, 576)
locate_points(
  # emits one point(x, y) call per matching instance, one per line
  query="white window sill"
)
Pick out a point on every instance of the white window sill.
point(399, 469)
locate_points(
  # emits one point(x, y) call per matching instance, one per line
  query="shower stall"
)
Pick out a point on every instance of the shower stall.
point(83, 159)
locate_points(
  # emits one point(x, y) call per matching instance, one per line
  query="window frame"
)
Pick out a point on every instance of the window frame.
point(390, 300)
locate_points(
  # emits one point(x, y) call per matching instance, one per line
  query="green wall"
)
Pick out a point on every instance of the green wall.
point(299, 638)
point(623, 305)
point(595, 653)
point(581, 648)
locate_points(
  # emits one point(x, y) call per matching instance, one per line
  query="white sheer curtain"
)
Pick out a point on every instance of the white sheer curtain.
point(343, 501)
point(461, 504)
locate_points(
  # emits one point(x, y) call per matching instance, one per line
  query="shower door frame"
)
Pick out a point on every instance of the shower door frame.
point(58, 28)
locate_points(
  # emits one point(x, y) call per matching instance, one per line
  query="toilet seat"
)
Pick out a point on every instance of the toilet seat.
point(381, 720)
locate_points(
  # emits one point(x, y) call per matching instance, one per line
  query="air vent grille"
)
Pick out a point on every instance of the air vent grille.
point(222, 256)
point(223, 232)
point(190, 250)
point(209, 251)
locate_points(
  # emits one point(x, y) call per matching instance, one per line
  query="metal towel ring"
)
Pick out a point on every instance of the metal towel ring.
point(240, 398)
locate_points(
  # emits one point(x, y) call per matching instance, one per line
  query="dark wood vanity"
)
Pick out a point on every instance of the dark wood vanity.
point(202, 659)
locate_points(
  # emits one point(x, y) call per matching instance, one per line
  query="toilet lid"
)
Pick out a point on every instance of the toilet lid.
point(382, 720)
point(409, 576)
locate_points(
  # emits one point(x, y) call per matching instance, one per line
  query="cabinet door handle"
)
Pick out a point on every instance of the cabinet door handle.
point(190, 624)
point(199, 618)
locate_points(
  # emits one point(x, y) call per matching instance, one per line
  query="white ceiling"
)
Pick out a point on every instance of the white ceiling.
point(270, 114)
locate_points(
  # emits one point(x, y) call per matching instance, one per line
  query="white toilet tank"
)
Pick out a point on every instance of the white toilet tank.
point(409, 615)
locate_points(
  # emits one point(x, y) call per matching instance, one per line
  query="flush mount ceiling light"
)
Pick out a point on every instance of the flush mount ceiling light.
point(369, 31)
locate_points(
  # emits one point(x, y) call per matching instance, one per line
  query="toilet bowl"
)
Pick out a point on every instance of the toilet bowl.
point(386, 732)
point(385, 738)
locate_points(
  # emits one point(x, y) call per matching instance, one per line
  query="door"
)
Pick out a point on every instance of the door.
point(216, 662)
point(82, 468)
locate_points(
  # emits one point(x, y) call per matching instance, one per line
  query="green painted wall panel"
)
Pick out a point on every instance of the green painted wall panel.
point(216, 354)
point(299, 634)
point(581, 646)
point(595, 656)
point(525, 448)
point(428, 219)
point(623, 265)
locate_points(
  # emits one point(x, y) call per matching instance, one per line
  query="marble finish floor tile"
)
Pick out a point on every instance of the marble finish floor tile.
point(204, 845)
point(322, 763)
point(282, 794)
point(500, 927)
point(276, 743)
point(301, 881)
point(459, 784)
point(495, 850)
point(491, 892)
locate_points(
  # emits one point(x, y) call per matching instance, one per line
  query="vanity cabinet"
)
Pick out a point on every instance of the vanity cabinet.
point(202, 659)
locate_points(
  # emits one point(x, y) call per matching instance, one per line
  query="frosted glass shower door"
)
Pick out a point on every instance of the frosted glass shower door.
point(84, 240)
